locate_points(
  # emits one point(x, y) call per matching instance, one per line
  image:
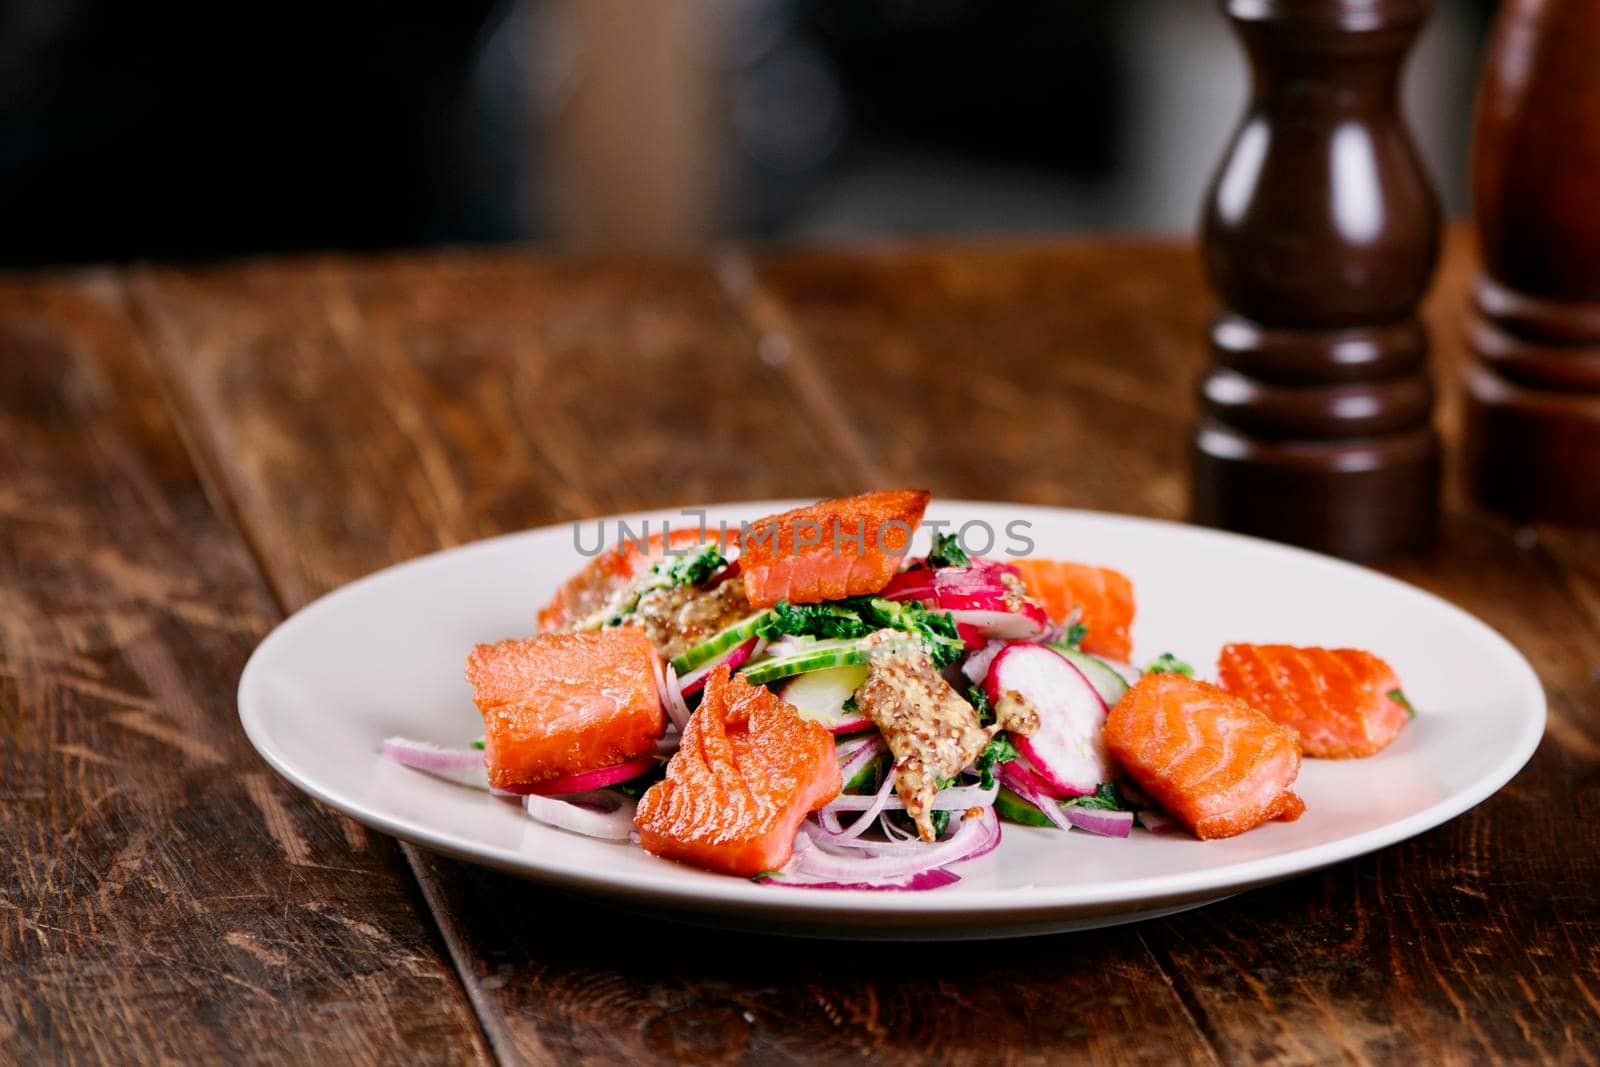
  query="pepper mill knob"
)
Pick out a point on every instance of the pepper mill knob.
point(1533, 387)
point(1320, 236)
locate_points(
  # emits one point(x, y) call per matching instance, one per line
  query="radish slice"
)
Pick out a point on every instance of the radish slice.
point(982, 585)
point(695, 680)
point(1067, 750)
point(588, 781)
point(464, 766)
point(606, 815)
point(1028, 787)
point(1027, 624)
point(910, 585)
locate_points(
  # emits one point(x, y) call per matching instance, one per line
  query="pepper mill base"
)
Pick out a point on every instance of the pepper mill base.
point(1532, 453)
point(1360, 499)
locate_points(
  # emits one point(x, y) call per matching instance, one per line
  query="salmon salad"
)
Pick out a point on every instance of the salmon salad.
point(805, 702)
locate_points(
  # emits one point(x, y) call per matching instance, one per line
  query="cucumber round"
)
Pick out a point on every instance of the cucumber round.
point(821, 695)
point(1105, 680)
point(1013, 808)
point(821, 656)
point(719, 644)
point(866, 780)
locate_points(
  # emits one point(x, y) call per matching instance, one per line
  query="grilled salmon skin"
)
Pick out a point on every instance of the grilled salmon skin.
point(561, 704)
point(748, 770)
point(1215, 763)
point(1343, 702)
point(1104, 596)
point(829, 550)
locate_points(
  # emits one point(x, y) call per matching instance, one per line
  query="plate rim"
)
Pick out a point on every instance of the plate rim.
point(995, 906)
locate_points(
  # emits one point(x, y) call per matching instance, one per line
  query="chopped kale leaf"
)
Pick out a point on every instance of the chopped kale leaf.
point(1106, 798)
point(999, 750)
point(859, 616)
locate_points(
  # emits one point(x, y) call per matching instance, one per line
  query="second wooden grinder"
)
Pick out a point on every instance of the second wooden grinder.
point(1320, 236)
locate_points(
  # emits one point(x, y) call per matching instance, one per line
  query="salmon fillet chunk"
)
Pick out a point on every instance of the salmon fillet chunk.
point(561, 704)
point(748, 770)
point(1206, 757)
point(830, 550)
point(1102, 597)
point(1343, 702)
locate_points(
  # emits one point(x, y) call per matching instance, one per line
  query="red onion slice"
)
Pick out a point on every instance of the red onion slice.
point(921, 881)
point(953, 798)
point(875, 803)
point(677, 709)
point(604, 814)
point(1158, 822)
point(973, 837)
point(976, 665)
point(661, 684)
point(1100, 820)
point(464, 766)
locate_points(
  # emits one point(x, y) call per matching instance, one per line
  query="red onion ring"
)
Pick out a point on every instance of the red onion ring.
point(464, 766)
point(605, 814)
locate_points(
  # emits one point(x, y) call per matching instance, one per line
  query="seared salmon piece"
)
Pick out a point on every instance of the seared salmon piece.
point(615, 569)
point(1104, 595)
point(748, 770)
point(1343, 702)
point(1209, 759)
point(832, 549)
point(561, 704)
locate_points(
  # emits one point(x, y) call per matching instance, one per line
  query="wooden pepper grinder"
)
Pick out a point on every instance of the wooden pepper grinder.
point(1533, 388)
point(1320, 236)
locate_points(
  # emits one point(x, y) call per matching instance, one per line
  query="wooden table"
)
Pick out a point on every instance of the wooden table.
point(188, 455)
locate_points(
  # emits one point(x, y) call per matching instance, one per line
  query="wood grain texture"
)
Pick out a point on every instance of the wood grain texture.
point(1072, 364)
point(164, 897)
point(362, 412)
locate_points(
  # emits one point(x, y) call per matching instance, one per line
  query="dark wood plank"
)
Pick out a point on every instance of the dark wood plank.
point(164, 897)
point(362, 412)
point(1071, 365)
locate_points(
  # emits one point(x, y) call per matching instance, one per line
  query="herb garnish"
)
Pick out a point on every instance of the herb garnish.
point(1167, 663)
point(1399, 697)
point(947, 552)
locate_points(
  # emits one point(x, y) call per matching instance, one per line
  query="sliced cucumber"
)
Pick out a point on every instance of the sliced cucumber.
point(1013, 808)
point(719, 644)
point(821, 695)
point(866, 780)
point(818, 657)
point(1106, 681)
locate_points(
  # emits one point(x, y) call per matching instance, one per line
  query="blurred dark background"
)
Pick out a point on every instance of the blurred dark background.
point(188, 130)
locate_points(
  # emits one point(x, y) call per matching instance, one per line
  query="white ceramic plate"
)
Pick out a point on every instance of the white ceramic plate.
point(384, 656)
